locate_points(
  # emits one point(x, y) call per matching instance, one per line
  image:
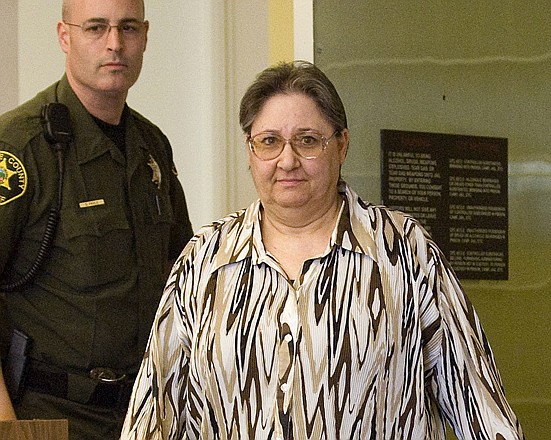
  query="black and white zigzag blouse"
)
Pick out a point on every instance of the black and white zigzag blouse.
point(374, 340)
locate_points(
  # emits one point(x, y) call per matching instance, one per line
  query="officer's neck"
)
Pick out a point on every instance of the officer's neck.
point(106, 106)
point(110, 113)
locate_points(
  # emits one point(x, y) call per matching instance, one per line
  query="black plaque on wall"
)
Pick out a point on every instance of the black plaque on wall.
point(456, 186)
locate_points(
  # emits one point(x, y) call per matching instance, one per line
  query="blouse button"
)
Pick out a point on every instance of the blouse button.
point(285, 387)
point(288, 337)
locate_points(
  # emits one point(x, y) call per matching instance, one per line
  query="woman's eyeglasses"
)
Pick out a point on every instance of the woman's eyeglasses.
point(307, 144)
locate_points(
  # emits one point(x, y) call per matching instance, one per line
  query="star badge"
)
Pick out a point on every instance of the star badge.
point(13, 178)
point(156, 175)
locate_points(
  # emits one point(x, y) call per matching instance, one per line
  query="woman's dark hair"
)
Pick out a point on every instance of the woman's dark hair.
point(292, 77)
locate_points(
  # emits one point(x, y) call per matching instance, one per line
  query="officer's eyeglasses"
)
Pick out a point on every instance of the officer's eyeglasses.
point(95, 30)
point(307, 144)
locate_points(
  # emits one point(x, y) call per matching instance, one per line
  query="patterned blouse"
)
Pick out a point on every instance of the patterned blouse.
point(374, 340)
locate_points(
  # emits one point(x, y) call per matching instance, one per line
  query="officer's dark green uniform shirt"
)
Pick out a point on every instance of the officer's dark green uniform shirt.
point(121, 220)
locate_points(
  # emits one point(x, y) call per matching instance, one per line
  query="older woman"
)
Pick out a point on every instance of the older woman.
point(311, 314)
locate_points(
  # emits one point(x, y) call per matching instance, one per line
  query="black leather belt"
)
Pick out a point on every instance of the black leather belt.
point(102, 387)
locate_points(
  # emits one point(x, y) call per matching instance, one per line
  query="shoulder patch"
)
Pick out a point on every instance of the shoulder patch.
point(13, 178)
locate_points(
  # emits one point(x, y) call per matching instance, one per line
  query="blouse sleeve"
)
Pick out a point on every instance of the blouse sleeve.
point(157, 406)
point(461, 372)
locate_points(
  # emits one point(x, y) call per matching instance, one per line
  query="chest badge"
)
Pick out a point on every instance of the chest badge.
point(156, 171)
point(13, 178)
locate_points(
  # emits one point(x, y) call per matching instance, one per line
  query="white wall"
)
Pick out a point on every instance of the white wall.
point(8, 54)
point(40, 60)
point(182, 90)
point(201, 55)
point(247, 53)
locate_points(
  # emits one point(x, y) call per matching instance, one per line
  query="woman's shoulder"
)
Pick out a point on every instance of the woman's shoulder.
point(212, 236)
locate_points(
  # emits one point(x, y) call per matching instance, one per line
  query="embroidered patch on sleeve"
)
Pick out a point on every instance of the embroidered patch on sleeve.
point(13, 178)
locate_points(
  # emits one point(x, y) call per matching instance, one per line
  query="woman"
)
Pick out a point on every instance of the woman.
point(311, 314)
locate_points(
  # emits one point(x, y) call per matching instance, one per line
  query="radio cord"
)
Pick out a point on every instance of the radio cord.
point(49, 233)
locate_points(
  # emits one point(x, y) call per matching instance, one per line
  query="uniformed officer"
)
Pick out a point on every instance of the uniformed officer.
point(116, 221)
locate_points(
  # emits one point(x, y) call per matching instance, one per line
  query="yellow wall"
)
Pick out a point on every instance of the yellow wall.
point(280, 30)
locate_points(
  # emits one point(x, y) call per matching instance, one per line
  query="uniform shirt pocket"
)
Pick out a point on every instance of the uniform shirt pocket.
point(159, 208)
point(95, 247)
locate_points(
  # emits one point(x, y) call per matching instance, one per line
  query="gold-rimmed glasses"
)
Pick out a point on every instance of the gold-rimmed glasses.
point(308, 144)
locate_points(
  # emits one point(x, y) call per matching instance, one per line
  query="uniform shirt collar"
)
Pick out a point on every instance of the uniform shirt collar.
point(88, 136)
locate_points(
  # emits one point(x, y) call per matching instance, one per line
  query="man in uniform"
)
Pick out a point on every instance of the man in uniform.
point(83, 317)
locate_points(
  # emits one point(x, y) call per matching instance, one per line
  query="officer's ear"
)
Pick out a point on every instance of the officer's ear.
point(146, 32)
point(63, 36)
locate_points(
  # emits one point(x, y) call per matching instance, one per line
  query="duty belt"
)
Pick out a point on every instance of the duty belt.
point(102, 387)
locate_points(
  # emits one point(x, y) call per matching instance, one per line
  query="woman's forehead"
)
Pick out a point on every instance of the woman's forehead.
point(289, 107)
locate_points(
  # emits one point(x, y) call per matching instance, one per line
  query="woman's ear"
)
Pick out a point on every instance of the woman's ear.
point(344, 140)
point(250, 154)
